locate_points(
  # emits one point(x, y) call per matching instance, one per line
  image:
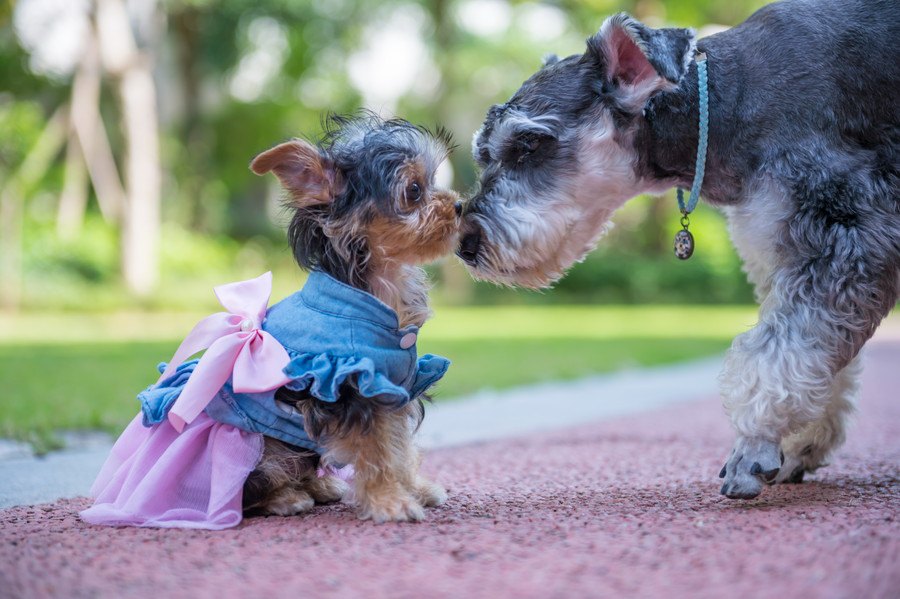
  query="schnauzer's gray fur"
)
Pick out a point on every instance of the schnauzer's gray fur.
point(804, 159)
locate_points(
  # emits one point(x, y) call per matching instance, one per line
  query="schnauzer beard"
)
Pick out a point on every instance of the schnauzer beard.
point(531, 238)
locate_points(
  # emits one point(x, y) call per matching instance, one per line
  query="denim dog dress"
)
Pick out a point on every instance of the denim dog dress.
point(182, 461)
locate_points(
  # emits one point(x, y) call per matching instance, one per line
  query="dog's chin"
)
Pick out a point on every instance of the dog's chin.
point(525, 277)
point(436, 248)
point(540, 273)
point(538, 260)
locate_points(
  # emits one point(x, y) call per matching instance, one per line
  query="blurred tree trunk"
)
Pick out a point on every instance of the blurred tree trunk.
point(73, 200)
point(141, 216)
point(186, 26)
point(12, 205)
point(88, 146)
point(141, 225)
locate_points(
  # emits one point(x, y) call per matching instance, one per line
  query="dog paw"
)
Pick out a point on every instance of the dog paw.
point(753, 463)
point(791, 475)
point(798, 463)
point(289, 503)
point(429, 494)
point(328, 489)
point(401, 508)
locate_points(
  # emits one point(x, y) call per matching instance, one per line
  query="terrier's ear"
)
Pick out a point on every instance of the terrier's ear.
point(304, 172)
point(639, 61)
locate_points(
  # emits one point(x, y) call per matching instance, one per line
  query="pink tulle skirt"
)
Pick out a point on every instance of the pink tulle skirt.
point(157, 477)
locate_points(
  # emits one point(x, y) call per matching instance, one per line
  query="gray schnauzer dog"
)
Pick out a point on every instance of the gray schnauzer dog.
point(804, 159)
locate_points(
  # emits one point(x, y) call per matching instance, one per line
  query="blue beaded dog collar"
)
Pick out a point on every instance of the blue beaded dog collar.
point(684, 240)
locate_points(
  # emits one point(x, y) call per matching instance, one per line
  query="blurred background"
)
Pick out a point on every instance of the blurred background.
point(126, 128)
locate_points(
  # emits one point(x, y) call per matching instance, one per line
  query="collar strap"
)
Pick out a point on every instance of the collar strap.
point(700, 167)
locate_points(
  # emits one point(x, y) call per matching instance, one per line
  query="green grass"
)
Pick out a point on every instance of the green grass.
point(70, 371)
point(73, 386)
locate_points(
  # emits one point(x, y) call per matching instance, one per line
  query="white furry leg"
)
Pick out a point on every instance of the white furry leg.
point(776, 381)
point(808, 449)
point(824, 285)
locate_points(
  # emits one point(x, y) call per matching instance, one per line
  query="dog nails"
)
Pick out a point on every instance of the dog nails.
point(796, 476)
point(395, 510)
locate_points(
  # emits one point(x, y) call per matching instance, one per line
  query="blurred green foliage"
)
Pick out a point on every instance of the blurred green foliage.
point(220, 221)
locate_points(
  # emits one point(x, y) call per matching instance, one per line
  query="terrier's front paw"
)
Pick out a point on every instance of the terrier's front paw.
point(394, 508)
point(753, 463)
point(288, 503)
point(429, 494)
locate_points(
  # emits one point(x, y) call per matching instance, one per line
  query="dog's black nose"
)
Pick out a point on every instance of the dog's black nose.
point(468, 247)
point(458, 207)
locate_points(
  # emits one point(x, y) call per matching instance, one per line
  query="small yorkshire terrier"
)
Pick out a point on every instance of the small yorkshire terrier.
point(287, 398)
point(366, 212)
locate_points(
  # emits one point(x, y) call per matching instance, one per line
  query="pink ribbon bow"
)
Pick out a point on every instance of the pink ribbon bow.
point(235, 346)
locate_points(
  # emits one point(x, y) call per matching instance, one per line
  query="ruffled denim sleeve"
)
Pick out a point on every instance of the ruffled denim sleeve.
point(156, 400)
point(429, 370)
point(322, 376)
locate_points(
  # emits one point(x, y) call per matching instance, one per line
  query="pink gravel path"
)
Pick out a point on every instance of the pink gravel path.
point(625, 508)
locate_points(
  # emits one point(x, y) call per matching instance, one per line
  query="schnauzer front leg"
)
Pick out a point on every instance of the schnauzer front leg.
point(808, 450)
point(773, 382)
point(384, 460)
point(782, 375)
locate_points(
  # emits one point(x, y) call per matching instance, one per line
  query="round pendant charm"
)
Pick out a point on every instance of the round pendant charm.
point(684, 244)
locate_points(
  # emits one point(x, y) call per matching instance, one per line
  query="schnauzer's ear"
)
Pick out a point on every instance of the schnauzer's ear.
point(304, 172)
point(639, 61)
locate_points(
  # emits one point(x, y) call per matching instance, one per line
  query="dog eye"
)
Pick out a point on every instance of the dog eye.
point(527, 145)
point(413, 192)
point(524, 146)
